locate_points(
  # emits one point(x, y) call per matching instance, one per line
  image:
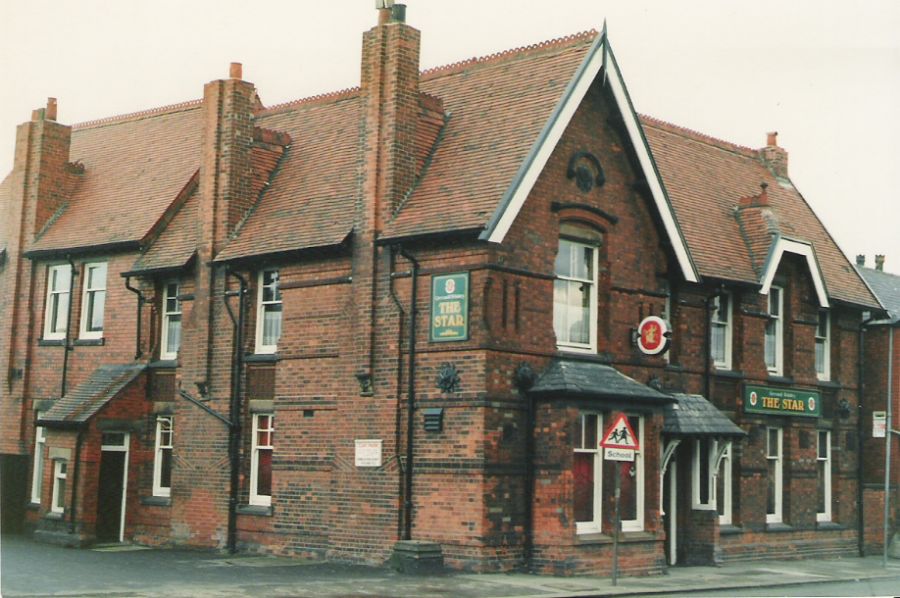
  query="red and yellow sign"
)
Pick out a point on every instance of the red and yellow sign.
point(653, 335)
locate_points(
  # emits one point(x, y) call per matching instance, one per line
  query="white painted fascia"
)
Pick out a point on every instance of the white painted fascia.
point(531, 168)
point(782, 246)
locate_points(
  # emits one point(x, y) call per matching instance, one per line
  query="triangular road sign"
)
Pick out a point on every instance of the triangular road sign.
point(620, 435)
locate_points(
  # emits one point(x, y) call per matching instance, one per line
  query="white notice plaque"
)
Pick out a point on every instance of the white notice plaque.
point(368, 453)
point(879, 424)
point(618, 454)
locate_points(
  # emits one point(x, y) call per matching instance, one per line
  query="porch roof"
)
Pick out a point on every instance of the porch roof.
point(84, 401)
point(571, 377)
point(693, 415)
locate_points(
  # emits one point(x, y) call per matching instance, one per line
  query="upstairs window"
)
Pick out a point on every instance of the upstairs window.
point(171, 324)
point(261, 459)
point(720, 328)
point(775, 332)
point(56, 312)
point(162, 461)
point(823, 345)
point(268, 317)
point(93, 301)
point(575, 291)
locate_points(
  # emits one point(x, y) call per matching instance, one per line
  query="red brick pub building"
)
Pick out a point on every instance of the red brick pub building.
point(399, 319)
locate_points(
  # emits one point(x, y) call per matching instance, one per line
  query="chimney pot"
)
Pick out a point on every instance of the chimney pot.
point(879, 262)
point(398, 13)
point(236, 70)
point(860, 260)
point(51, 108)
point(772, 139)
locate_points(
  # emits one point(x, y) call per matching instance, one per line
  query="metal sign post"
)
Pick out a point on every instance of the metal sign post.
point(615, 564)
point(619, 444)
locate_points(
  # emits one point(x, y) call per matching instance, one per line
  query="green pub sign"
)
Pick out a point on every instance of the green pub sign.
point(780, 401)
point(450, 307)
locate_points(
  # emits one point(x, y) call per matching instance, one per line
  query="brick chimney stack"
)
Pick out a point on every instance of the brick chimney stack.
point(774, 157)
point(879, 263)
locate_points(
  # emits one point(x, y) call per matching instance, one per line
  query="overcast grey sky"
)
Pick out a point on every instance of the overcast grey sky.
point(824, 74)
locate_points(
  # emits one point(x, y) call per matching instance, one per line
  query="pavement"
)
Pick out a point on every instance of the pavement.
point(31, 569)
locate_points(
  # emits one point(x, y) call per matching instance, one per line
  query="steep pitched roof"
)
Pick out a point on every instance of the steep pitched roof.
point(706, 179)
point(177, 243)
point(312, 197)
point(83, 402)
point(886, 287)
point(134, 167)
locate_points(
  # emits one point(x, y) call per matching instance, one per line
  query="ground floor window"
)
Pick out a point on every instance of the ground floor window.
point(261, 459)
point(60, 468)
point(704, 455)
point(823, 475)
point(631, 480)
point(162, 462)
point(37, 471)
point(723, 485)
point(774, 458)
point(587, 473)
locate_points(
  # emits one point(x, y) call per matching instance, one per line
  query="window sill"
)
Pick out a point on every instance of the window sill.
point(89, 342)
point(256, 510)
point(728, 529)
point(261, 358)
point(626, 537)
point(778, 527)
point(728, 373)
point(162, 364)
point(51, 342)
point(780, 379)
point(828, 384)
point(157, 501)
point(55, 516)
point(829, 525)
point(33, 506)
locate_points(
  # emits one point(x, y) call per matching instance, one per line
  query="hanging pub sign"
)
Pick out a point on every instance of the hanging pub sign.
point(652, 335)
point(780, 401)
point(450, 307)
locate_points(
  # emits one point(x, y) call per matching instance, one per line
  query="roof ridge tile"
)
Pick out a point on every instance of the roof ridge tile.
point(565, 40)
point(695, 135)
point(141, 114)
point(328, 95)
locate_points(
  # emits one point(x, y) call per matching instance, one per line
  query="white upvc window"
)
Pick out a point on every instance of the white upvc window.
point(162, 461)
point(56, 312)
point(588, 474)
point(774, 347)
point(575, 296)
point(823, 345)
point(171, 322)
point(721, 331)
point(37, 470)
point(631, 501)
point(723, 485)
point(268, 315)
point(823, 475)
point(261, 459)
point(58, 502)
point(703, 480)
point(93, 300)
point(775, 462)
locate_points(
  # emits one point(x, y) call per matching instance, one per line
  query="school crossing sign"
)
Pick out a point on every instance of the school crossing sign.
point(620, 442)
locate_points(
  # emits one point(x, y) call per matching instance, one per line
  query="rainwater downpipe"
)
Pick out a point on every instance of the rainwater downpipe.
point(889, 438)
point(410, 400)
point(78, 439)
point(67, 341)
point(234, 415)
point(398, 416)
point(860, 430)
point(140, 306)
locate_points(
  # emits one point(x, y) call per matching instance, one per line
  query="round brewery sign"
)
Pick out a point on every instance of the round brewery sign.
point(653, 335)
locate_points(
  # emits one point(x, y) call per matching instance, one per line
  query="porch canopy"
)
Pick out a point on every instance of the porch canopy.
point(588, 379)
point(693, 415)
point(83, 402)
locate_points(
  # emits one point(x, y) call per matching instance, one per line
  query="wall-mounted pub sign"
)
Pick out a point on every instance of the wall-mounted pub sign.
point(450, 307)
point(781, 401)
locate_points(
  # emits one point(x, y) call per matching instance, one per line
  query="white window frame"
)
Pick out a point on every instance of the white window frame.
point(725, 517)
point(591, 345)
point(57, 303)
point(717, 322)
point(823, 373)
point(637, 524)
point(37, 467)
point(823, 516)
point(89, 300)
point(164, 442)
point(167, 315)
point(596, 525)
point(261, 311)
point(778, 367)
point(263, 500)
point(698, 481)
point(778, 457)
point(58, 498)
